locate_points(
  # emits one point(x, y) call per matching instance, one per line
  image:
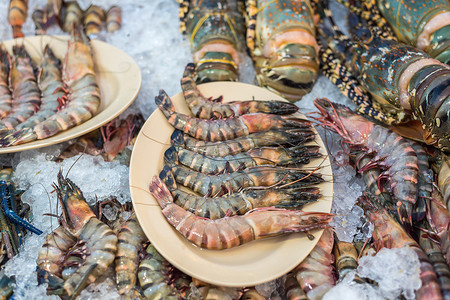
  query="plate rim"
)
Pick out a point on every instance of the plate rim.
point(134, 189)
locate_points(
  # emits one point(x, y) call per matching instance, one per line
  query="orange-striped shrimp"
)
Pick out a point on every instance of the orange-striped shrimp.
point(229, 128)
point(205, 108)
point(83, 99)
point(17, 15)
point(233, 231)
point(25, 90)
point(51, 87)
point(113, 18)
point(72, 16)
point(100, 241)
point(93, 19)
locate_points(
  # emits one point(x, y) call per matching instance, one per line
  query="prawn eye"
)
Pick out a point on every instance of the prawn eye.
point(314, 219)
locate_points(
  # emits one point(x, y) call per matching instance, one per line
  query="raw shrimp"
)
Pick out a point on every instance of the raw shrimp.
point(388, 232)
point(440, 266)
point(72, 15)
point(5, 92)
point(17, 15)
point(205, 184)
point(154, 276)
point(81, 222)
point(113, 18)
point(293, 288)
point(439, 220)
point(93, 19)
point(255, 157)
point(391, 151)
point(51, 86)
point(25, 91)
point(229, 128)
point(233, 231)
point(83, 99)
point(316, 273)
point(52, 253)
point(291, 137)
point(205, 108)
point(130, 240)
point(239, 203)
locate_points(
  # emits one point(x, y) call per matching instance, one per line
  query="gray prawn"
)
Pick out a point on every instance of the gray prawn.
point(205, 108)
point(255, 157)
point(291, 137)
point(234, 231)
point(217, 185)
point(240, 202)
point(229, 128)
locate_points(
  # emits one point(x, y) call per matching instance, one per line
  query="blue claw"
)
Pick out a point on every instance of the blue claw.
point(6, 189)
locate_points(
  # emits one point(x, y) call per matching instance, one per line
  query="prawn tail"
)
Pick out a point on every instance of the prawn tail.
point(164, 103)
point(171, 156)
point(160, 191)
point(19, 137)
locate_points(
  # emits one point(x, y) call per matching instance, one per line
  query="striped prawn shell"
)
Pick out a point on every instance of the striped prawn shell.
point(412, 20)
point(283, 63)
point(215, 29)
point(381, 66)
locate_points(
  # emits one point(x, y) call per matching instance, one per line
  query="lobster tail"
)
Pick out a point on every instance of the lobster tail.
point(431, 102)
point(439, 47)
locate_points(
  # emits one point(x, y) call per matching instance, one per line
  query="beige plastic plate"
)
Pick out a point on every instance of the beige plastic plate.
point(247, 265)
point(118, 77)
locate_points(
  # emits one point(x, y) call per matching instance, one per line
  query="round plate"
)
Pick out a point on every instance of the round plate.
point(118, 77)
point(246, 265)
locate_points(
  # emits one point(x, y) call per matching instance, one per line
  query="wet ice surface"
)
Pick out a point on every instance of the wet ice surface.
point(150, 35)
point(396, 272)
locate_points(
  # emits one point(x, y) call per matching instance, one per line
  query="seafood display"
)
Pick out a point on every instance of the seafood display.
point(234, 231)
point(391, 82)
point(69, 15)
point(229, 128)
point(17, 16)
point(62, 99)
point(205, 108)
point(429, 22)
point(359, 132)
point(281, 38)
point(215, 30)
point(235, 171)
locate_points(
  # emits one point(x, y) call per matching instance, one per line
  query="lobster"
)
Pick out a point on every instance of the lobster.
point(396, 84)
point(282, 41)
point(419, 23)
point(215, 29)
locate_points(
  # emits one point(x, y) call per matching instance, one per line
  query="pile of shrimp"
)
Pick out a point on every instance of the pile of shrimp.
point(38, 104)
point(407, 193)
point(243, 159)
point(68, 14)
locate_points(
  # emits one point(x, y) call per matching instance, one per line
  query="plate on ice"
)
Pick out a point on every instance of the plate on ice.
point(254, 263)
point(118, 77)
